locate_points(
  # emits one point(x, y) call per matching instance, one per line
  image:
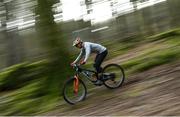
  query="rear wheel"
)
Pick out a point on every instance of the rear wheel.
point(114, 76)
point(72, 95)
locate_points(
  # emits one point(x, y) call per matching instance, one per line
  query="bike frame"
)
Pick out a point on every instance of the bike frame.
point(83, 71)
point(76, 77)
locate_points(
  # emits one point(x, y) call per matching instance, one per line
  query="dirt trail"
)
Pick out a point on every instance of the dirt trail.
point(154, 92)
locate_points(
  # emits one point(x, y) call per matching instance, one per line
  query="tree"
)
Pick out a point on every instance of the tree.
point(55, 45)
point(12, 39)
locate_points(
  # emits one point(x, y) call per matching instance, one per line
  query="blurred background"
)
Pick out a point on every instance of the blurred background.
point(36, 44)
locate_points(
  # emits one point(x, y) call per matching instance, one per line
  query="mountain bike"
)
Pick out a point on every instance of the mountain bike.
point(75, 90)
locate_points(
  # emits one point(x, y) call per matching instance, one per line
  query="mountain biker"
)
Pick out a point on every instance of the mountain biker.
point(86, 49)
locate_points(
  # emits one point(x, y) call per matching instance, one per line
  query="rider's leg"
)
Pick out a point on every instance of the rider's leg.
point(98, 61)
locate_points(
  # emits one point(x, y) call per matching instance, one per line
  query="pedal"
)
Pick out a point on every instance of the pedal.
point(98, 83)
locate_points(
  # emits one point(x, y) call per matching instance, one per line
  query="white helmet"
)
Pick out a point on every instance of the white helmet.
point(77, 41)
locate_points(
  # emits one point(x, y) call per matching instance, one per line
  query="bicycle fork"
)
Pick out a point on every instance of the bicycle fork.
point(76, 84)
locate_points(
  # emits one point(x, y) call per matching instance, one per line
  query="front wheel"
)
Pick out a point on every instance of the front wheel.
point(114, 74)
point(74, 90)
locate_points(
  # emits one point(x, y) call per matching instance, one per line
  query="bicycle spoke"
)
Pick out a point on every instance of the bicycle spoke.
point(71, 95)
point(115, 76)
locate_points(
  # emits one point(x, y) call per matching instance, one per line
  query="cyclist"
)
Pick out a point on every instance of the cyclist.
point(86, 49)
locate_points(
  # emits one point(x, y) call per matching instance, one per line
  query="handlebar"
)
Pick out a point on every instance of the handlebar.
point(76, 67)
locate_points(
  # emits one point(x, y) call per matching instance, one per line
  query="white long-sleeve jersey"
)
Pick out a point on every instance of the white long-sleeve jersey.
point(89, 48)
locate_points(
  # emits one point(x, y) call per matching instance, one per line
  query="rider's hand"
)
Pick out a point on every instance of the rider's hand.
point(72, 64)
point(82, 62)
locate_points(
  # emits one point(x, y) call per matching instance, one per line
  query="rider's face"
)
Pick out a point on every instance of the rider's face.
point(79, 45)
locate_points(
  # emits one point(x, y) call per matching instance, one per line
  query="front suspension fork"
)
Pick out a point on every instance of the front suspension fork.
point(76, 84)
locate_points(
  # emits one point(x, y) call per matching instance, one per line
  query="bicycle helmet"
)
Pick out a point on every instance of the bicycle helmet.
point(77, 41)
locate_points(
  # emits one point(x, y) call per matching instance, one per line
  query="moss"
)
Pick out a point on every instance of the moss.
point(153, 60)
point(171, 33)
point(19, 75)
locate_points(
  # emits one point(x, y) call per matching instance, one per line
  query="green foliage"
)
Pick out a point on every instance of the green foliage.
point(119, 47)
point(20, 75)
point(152, 58)
point(23, 101)
point(34, 84)
point(156, 60)
point(26, 94)
point(164, 35)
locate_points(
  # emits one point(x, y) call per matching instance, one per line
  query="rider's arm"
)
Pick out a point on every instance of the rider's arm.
point(79, 57)
point(87, 51)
